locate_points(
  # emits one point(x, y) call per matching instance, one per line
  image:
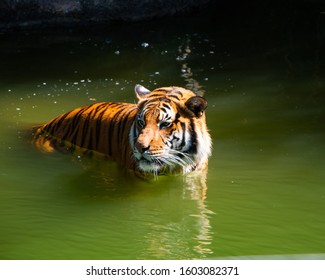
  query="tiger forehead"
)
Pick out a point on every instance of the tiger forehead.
point(171, 93)
point(162, 110)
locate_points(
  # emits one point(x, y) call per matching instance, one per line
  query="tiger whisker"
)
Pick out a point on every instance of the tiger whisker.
point(175, 158)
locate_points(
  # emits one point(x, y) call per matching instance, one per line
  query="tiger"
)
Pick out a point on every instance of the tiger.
point(164, 132)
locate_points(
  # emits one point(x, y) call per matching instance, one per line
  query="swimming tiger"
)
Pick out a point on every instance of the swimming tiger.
point(165, 132)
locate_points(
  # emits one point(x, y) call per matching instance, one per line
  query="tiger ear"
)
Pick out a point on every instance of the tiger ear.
point(141, 92)
point(197, 105)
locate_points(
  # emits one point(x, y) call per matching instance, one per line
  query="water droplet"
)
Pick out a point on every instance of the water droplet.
point(145, 45)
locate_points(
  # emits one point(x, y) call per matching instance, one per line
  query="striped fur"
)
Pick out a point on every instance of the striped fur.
point(164, 133)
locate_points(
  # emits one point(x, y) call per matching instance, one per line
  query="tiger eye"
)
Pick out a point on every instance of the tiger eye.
point(165, 125)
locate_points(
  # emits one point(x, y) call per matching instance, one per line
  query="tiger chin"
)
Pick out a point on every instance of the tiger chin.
point(164, 133)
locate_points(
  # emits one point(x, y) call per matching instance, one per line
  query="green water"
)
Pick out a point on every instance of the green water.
point(264, 193)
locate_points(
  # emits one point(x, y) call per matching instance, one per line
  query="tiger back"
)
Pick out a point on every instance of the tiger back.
point(165, 132)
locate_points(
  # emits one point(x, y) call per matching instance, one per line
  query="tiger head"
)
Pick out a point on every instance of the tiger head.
point(169, 134)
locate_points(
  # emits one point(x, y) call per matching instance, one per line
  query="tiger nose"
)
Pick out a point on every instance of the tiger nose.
point(142, 148)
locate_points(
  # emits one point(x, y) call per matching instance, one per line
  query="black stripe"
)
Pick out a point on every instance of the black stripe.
point(100, 107)
point(183, 136)
point(135, 131)
point(122, 124)
point(156, 95)
point(91, 138)
point(166, 105)
point(74, 132)
point(53, 125)
point(98, 127)
point(85, 131)
point(164, 110)
point(177, 91)
point(112, 123)
point(118, 105)
point(193, 147)
point(173, 96)
point(74, 124)
point(162, 89)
